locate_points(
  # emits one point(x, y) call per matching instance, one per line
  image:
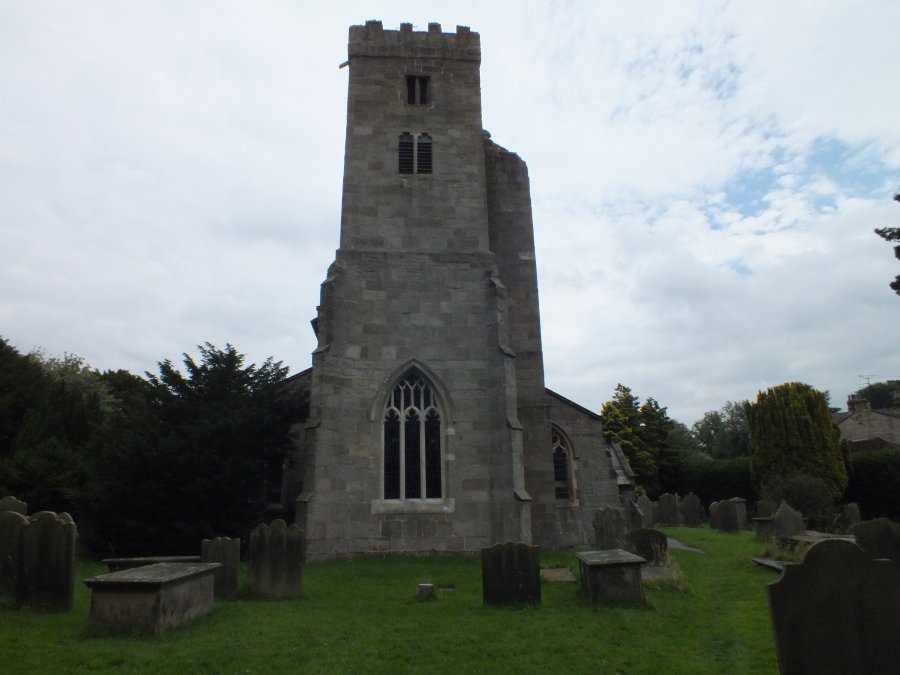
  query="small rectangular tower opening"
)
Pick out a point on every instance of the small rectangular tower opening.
point(417, 89)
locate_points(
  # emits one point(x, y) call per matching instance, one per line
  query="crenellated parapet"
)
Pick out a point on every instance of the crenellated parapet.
point(372, 40)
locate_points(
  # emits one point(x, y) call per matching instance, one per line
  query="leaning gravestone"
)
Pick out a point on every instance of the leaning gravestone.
point(668, 509)
point(46, 576)
point(276, 560)
point(691, 510)
point(609, 527)
point(511, 574)
point(880, 538)
point(787, 522)
point(646, 506)
point(11, 525)
point(10, 503)
point(652, 545)
point(846, 518)
point(837, 612)
point(227, 552)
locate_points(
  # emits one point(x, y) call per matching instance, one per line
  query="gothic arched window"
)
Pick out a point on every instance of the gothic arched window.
point(414, 153)
point(412, 441)
point(562, 466)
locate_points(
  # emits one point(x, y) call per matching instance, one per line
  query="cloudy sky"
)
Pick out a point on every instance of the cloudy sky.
point(705, 178)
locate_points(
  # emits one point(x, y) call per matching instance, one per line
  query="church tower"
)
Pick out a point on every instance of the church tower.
point(429, 420)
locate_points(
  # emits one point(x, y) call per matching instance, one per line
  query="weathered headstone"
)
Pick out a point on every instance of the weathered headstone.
point(787, 522)
point(646, 506)
point(425, 592)
point(46, 577)
point(731, 515)
point(511, 574)
point(715, 518)
point(692, 510)
point(846, 518)
point(766, 508)
point(11, 525)
point(276, 560)
point(668, 509)
point(10, 503)
point(227, 552)
point(837, 612)
point(652, 545)
point(609, 527)
point(880, 538)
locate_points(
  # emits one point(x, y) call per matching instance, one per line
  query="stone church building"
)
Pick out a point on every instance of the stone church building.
point(430, 428)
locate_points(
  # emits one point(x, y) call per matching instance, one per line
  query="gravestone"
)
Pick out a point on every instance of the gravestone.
point(652, 545)
point(646, 506)
point(609, 527)
point(787, 522)
point(668, 509)
point(836, 612)
point(731, 515)
point(511, 574)
point(880, 538)
point(766, 508)
point(276, 560)
point(715, 519)
point(46, 577)
point(612, 576)
point(227, 552)
point(846, 518)
point(692, 510)
point(10, 503)
point(11, 525)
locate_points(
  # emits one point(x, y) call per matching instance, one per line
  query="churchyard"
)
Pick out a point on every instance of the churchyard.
point(363, 616)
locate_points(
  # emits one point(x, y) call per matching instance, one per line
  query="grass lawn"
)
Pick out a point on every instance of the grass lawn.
point(362, 616)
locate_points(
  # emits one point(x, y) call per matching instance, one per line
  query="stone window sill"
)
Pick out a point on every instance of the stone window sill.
point(413, 506)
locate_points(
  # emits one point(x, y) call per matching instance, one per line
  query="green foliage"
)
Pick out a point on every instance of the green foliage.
point(892, 234)
point(190, 458)
point(714, 480)
point(873, 483)
point(644, 431)
point(881, 395)
point(791, 433)
point(724, 433)
point(622, 424)
point(54, 412)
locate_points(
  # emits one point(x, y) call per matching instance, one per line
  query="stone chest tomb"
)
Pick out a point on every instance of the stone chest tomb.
point(430, 427)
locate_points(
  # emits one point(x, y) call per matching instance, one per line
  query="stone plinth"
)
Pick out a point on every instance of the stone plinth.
point(612, 576)
point(152, 598)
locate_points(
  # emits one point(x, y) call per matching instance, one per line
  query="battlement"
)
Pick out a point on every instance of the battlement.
point(372, 40)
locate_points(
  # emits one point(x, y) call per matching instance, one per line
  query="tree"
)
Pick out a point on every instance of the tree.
point(892, 234)
point(881, 395)
point(655, 427)
point(791, 434)
point(54, 412)
point(724, 433)
point(190, 458)
point(622, 424)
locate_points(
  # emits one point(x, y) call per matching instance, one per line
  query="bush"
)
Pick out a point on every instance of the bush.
point(874, 478)
point(713, 480)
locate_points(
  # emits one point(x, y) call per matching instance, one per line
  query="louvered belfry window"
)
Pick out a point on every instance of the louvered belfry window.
point(406, 154)
point(423, 154)
point(412, 441)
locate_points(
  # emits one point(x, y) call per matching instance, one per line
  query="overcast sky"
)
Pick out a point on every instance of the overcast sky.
point(705, 179)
